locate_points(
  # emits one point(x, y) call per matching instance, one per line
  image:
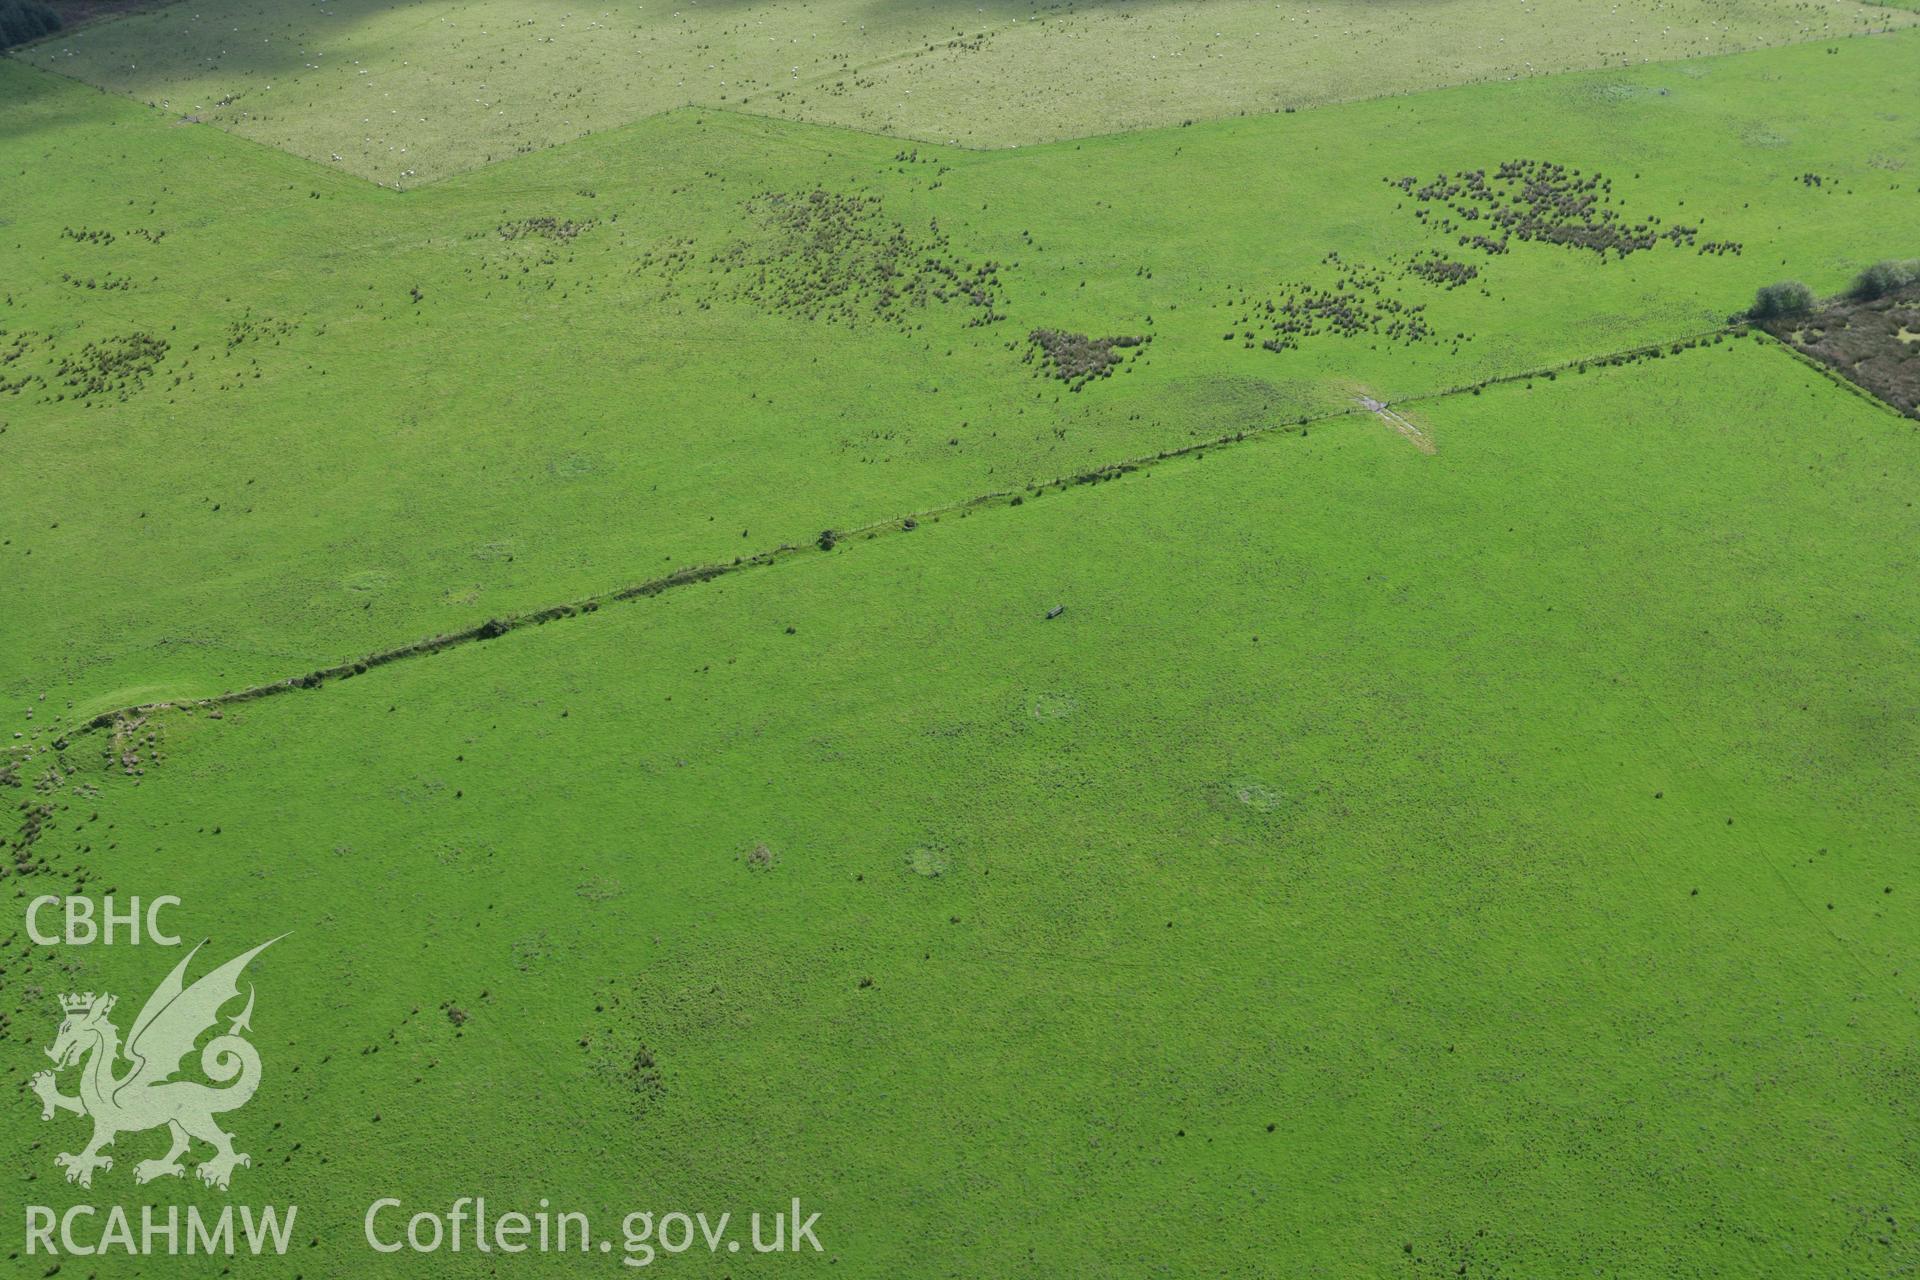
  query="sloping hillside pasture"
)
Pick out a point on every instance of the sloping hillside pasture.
point(405, 93)
point(263, 417)
point(1486, 862)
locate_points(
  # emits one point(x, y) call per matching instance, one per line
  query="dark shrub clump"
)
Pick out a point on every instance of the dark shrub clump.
point(1883, 278)
point(1778, 301)
point(24, 20)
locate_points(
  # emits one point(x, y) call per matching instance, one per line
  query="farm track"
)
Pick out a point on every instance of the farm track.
point(1399, 422)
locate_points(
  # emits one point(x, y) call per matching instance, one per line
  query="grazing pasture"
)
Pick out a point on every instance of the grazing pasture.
point(406, 93)
point(257, 417)
point(970, 615)
point(1317, 850)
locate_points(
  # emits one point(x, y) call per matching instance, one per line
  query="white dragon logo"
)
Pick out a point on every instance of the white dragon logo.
point(147, 1096)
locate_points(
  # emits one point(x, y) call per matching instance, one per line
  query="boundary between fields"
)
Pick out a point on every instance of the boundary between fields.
point(1832, 374)
point(35, 813)
point(744, 111)
point(495, 627)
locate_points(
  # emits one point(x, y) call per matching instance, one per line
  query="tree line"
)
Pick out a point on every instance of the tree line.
point(24, 20)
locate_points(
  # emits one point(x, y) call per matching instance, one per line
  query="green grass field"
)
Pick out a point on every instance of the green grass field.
point(347, 468)
point(403, 94)
point(1495, 854)
point(990, 732)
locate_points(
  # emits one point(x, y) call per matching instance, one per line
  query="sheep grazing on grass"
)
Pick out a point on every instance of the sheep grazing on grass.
point(1539, 201)
point(1357, 304)
point(822, 255)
